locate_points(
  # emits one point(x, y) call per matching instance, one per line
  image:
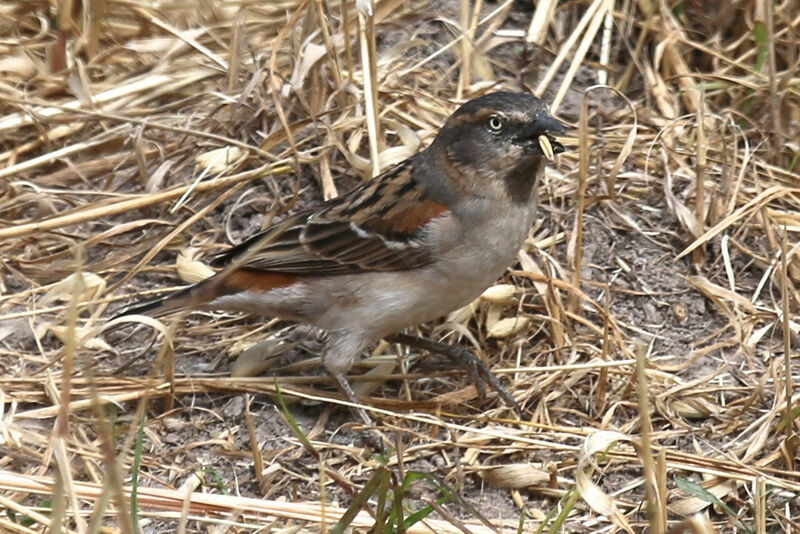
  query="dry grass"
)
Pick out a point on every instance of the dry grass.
point(649, 329)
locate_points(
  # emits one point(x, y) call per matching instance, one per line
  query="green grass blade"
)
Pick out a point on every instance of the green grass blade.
point(137, 464)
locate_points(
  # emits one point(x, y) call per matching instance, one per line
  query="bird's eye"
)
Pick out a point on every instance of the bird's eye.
point(495, 123)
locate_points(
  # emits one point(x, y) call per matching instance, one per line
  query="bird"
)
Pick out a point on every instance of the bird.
point(412, 244)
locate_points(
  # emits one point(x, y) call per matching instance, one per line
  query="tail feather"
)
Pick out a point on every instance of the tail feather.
point(161, 306)
point(201, 293)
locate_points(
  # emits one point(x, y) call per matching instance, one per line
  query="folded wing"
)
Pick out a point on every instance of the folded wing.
point(380, 226)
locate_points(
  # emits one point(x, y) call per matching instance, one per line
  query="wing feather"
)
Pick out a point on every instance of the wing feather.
point(379, 226)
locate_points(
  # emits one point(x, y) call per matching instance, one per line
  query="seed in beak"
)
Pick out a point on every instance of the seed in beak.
point(547, 148)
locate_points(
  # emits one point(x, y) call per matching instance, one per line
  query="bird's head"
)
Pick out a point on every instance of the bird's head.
point(498, 142)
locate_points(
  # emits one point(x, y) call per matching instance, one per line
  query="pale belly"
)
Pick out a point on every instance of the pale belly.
point(388, 305)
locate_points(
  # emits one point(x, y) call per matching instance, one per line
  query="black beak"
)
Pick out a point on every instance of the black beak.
point(544, 125)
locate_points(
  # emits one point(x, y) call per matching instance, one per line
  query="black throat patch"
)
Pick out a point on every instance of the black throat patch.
point(521, 180)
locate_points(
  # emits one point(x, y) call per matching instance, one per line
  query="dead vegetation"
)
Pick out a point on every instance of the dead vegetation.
point(649, 328)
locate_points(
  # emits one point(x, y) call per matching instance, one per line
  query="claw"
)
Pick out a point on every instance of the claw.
point(479, 372)
point(475, 374)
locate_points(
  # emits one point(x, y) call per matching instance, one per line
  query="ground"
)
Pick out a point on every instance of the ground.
point(707, 404)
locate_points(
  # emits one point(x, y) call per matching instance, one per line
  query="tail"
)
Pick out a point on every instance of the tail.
point(223, 283)
point(180, 299)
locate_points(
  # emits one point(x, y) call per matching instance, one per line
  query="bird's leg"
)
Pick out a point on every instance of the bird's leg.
point(479, 372)
point(374, 437)
point(340, 351)
point(350, 395)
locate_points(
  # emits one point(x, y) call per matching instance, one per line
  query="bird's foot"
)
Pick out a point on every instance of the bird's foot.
point(479, 372)
point(375, 439)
